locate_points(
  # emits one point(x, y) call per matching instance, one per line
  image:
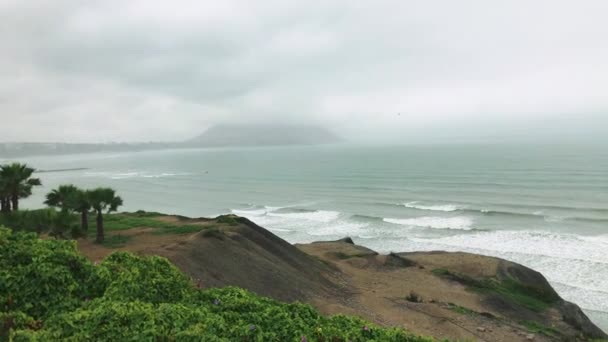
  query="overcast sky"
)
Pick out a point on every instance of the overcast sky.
point(139, 70)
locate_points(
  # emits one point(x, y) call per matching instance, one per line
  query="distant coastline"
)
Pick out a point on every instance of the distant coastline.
point(216, 136)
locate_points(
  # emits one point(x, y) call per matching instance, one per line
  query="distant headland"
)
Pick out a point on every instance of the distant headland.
point(225, 135)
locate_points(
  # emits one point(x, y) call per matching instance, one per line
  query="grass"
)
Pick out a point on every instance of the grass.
point(509, 289)
point(462, 310)
point(187, 229)
point(126, 221)
point(537, 328)
point(230, 220)
point(116, 241)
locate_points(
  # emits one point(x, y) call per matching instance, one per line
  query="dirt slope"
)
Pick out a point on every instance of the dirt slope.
point(458, 296)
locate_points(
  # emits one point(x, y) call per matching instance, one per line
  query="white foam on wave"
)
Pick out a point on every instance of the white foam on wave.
point(459, 222)
point(133, 174)
point(603, 239)
point(540, 243)
point(577, 266)
point(165, 174)
point(324, 216)
point(439, 207)
point(273, 216)
point(249, 212)
point(339, 229)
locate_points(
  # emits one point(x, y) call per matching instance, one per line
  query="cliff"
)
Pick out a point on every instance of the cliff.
point(457, 296)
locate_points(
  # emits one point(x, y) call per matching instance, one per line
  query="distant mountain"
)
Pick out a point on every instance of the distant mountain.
point(217, 136)
point(263, 135)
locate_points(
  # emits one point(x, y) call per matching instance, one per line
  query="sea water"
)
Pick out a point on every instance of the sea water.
point(545, 207)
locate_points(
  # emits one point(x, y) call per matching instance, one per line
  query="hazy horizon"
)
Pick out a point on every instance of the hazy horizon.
point(382, 72)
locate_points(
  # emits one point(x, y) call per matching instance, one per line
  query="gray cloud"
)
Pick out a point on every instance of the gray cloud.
point(142, 70)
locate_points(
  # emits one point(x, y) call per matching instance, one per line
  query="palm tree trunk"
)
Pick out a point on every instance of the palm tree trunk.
point(100, 236)
point(84, 220)
point(15, 200)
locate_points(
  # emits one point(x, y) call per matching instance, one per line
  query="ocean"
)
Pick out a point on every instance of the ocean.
point(543, 206)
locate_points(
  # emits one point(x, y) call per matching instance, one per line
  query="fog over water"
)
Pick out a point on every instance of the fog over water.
point(382, 71)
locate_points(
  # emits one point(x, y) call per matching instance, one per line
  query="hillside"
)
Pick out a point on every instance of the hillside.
point(457, 296)
point(263, 135)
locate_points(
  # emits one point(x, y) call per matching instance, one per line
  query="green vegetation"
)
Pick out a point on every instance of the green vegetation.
point(116, 241)
point(461, 309)
point(102, 199)
point(230, 220)
point(538, 328)
point(126, 221)
point(40, 221)
point(70, 199)
point(48, 292)
point(16, 182)
point(508, 289)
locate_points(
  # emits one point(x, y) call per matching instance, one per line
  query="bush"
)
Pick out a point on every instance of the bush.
point(50, 293)
point(127, 277)
point(41, 221)
point(41, 277)
point(413, 297)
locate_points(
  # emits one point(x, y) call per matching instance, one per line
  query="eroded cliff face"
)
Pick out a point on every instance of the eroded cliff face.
point(458, 296)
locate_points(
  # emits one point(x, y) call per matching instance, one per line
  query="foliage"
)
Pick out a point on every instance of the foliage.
point(41, 221)
point(509, 289)
point(16, 182)
point(102, 199)
point(50, 293)
point(461, 309)
point(230, 220)
point(538, 328)
point(62, 197)
point(116, 241)
point(126, 221)
point(41, 277)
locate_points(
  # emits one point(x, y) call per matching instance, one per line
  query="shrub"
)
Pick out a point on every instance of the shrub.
point(413, 297)
point(41, 277)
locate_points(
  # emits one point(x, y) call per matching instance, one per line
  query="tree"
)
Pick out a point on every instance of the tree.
point(5, 203)
point(71, 199)
point(62, 197)
point(102, 199)
point(17, 182)
point(81, 203)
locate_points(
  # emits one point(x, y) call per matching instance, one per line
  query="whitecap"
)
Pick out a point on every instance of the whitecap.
point(339, 228)
point(459, 222)
point(438, 207)
point(249, 212)
point(324, 216)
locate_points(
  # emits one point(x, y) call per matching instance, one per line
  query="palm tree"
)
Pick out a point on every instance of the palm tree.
point(81, 203)
point(18, 182)
point(5, 203)
point(62, 197)
point(102, 199)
